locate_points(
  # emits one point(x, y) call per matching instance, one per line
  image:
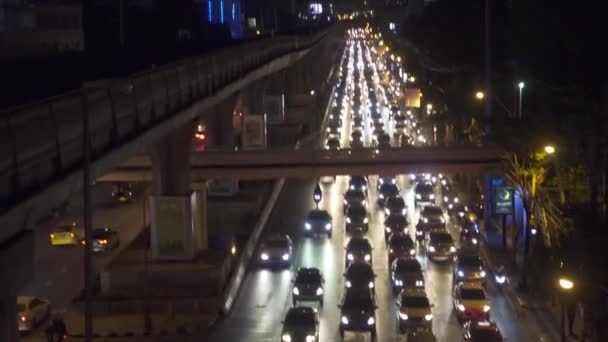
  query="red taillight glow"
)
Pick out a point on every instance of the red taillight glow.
point(23, 318)
point(200, 136)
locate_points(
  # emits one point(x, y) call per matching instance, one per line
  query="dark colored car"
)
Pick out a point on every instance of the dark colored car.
point(424, 193)
point(432, 216)
point(357, 124)
point(358, 312)
point(481, 331)
point(359, 275)
point(395, 205)
point(334, 131)
point(358, 249)
point(439, 245)
point(122, 192)
point(469, 266)
point(354, 198)
point(104, 239)
point(384, 138)
point(318, 222)
point(395, 224)
point(357, 183)
point(400, 246)
point(420, 336)
point(308, 286)
point(385, 191)
point(332, 144)
point(406, 273)
point(387, 180)
point(300, 324)
point(356, 218)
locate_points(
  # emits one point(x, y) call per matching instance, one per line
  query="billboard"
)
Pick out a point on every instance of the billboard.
point(503, 200)
point(412, 97)
point(171, 227)
point(254, 132)
point(315, 8)
point(274, 107)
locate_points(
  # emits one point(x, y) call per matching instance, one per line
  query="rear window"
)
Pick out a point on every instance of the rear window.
point(359, 244)
point(277, 244)
point(308, 277)
point(424, 188)
point(434, 211)
point(417, 302)
point(318, 215)
point(408, 266)
point(441, 238)
point(357, 211)
point(472, 294)
point(65, 228)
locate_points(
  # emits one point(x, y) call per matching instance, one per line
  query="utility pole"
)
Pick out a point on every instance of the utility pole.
point(88, 221)
point(487, 181)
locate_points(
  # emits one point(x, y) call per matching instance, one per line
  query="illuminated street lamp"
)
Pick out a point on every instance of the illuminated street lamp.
point(566, 284)
point(479, 95)
point(412, 79)
point(521, 86)
point(429, 106)
point(550, 149)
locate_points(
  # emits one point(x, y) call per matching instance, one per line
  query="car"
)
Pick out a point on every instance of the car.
point(356, 218)
point(414, 310)
point(424, 193)
point(383, 138)
point(31, 312)
point(334, 131)
point(200, 137)
point(360, 275)
point(400, 128)
point(336, 121)
point(65, 234)
point(122, 192)
point(318, 222)
point(358, 312)
point(332, 144)
point(356, 136)
point(300, 324)
point(481, 331)
point(458, 210)
point(358, 183)
point(468, 266)
point(395, 224)
point(354, 198)
point(432, 216)
point(357, 124)
point(420, 336)
point(386, 179)
point(406, 274)
point(471, 302)
point(308, 286)
point(400, 246)
point(359, 249)
point(276, 250)
point(356, 144)
point(385, 191)
point(395, 205)
point(104, 239)
point(383, 145)
point(439, 245)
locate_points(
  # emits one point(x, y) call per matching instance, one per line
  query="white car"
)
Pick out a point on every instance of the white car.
point(31, 311)
point(276, 250)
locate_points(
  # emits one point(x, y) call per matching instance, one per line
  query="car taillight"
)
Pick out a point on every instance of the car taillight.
point(200, 136)
point(23, 318)
point(52, 236)
point(103, 242)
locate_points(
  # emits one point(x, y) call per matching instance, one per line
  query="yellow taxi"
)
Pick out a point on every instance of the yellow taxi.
point(471, 302)
point(67, 234)
point(414, 310)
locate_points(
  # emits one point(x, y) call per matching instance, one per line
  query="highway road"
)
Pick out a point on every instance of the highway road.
point(265, 296)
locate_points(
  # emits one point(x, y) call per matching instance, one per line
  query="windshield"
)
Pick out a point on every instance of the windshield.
point(424, 188)
point(359, 270)
point(356, 211)
point(359, 244)
point(485, 336)
point(432, 211)
point(65, 228)
point(308, 277)
point(296, 317)
point(318, 215)
point(472, 294)
point(441, 238)
point(388, 188)
point(417, 302)
point(396, 219)
point(354, 300)
point(277, 244)
point(354, 193)
point(470, 261)
point(408, 266)
point(396, 202)
point(401, 241)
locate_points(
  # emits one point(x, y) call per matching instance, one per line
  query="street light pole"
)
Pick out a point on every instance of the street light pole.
point(88, 221)
point(521, 88)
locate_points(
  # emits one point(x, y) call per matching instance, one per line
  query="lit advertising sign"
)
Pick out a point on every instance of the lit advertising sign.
point(412, 97)
point(315, 8)
point(503, 200)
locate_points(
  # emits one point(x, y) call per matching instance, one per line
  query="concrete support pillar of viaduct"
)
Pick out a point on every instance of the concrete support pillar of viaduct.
point(177, 213)
point(219, 122)
point(16, 267)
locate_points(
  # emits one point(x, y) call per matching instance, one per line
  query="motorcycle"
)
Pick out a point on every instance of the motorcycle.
point(500, 276)
point(420, 231)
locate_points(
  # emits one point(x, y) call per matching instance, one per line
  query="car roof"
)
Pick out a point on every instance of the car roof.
point(412, 292)
point(309, 270)
point(359, 240)
point(471, 285)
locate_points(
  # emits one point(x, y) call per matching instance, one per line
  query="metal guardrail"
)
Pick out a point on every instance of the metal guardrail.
point(42, 142)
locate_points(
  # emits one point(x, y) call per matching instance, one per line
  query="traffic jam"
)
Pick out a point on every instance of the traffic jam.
point(412, 262)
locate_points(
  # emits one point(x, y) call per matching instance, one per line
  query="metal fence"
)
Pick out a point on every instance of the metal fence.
point(42, 142)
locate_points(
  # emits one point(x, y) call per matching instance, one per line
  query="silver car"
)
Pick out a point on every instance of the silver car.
point(276, 250)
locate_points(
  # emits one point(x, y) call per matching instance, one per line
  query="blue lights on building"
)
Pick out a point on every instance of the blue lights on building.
point(222, 11)
point(210, 10)
point(217, 14)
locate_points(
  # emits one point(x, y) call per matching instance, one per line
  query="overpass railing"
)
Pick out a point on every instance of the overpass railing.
point(42, 142)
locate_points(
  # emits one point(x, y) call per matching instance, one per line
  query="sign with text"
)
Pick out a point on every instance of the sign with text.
point(254, 132)
point(503, 200)
point(171, 227)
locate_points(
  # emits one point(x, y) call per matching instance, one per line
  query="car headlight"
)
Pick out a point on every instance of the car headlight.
point(371, 321)
point(431, 249)
point(442, 220)
point(344, 320)
point(450, 206)
point(286, 338)
point(350, 257)
point(387, 211)
point(434, 179)
point(474, 241)
point(352, 187)
point(425, 220)
point(388, 230)
point(403, 316)
point(456, 200)
point(444, 182)
point(381, 196)
point(370, 285)
point(412, 252)
point(394, 181)
point(461, 307)
point(328, 226)
point(418, 196)
point(452, 249)
point(428, 317)
point(329, 129)
point(412, 176)
point(398, 282)
point(461, 214)
point(348, 284)
point(285, 256)
point(367, 257)
point(365, 220)
point(307, 225)
point(482, 274)
point(319, 291)
point(419, 283)
point(445, 198)
point(432, 196)
point(310, 338)
point(264, 256)
point(345, 202)
point(363, 187)
point(419, 232)
point(363, 203)
point(348, 220)
point(486, 308)
point(296, 291)
point(460, 273)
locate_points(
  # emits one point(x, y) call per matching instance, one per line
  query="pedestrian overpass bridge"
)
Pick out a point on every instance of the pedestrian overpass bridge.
point(306, 163)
